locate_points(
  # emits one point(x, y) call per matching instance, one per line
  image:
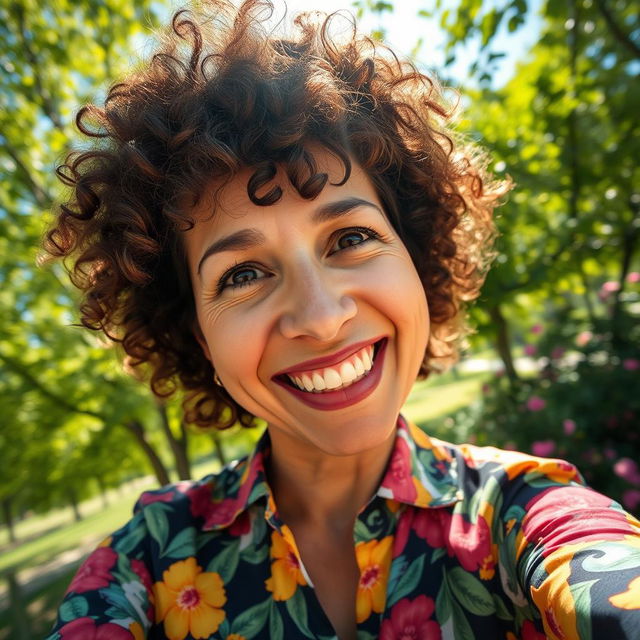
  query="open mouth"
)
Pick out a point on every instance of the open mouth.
point(340, 376)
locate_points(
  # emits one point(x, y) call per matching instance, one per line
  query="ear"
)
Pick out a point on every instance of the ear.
point(199, 336)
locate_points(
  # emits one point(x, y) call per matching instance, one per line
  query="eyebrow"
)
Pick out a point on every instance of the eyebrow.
point(249, 238)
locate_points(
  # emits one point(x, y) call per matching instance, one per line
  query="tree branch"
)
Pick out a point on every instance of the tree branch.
point(33, 382)
point(48, 105)
point(619, 34)
point(42, 198)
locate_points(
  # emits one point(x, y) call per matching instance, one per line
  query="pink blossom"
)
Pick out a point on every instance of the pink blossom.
point(569, 426)
point(631, 499)
point(633, 277)
point(536, 329)
point(627, 469)
point(558, 352)
point(631, 364)
point(530, 350)
point(611, 286)
point(583, 338)
point(536, 403)
point(543, 448)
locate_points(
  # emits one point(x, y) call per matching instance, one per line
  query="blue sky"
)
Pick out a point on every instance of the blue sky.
point(403, 29)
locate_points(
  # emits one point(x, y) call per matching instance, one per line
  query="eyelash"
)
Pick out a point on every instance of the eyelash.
point(221, 286)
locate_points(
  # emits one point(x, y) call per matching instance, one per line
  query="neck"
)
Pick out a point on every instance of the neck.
point(326, 491)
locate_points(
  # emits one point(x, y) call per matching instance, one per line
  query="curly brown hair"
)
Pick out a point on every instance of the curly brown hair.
point(222, 93)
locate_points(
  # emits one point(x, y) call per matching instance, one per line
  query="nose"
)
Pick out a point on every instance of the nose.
point(316, 305)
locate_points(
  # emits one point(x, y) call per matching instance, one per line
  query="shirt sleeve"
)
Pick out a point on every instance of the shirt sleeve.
point(577, 559)
point(110, 595)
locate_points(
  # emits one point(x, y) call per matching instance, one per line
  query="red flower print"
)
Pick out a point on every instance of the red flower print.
point(151, 497)
point(431, 525)
point(95, 572)
point(471, 544)
point(528, 632)
point(86, 629)
point(410, 620)
point(399, 479)
point(241, 525)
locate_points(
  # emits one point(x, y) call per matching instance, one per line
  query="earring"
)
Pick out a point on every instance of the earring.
point(216, 379)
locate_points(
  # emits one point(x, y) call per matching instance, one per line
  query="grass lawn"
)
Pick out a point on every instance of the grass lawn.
point(51, 536)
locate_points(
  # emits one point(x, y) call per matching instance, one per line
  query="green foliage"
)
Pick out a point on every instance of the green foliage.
point(582, 406)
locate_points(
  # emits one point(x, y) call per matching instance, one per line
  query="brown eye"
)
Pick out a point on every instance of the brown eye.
point(351, 238)
point(354, 237)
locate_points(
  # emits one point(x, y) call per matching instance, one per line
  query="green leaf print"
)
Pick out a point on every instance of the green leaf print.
point(297, 608)
point(581, 593)
point(157, 523)
point(251, 621)
point(461, 627)
point(443, 603)
point(225, 563)
point(437, 554)
point(132, 538)
point(408, 582)
point(255, 555)
point(501, 608)
point(182, 545)
point(276, 628)
point(611, 555)
point(77, 607)
point(470, 592)
point(398, 567)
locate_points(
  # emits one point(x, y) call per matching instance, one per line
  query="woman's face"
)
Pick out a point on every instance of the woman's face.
point(301, 293)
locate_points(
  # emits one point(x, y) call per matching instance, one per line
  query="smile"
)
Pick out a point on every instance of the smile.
point(339, 384)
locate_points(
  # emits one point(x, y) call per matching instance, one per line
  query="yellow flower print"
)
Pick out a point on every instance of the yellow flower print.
point(189, 600)
point(136, 631)
point(374, 562)
point(629, 599)
point(286, 573)
point(235, 636)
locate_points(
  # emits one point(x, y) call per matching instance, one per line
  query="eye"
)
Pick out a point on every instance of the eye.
point(351, 238)
point(240, 276)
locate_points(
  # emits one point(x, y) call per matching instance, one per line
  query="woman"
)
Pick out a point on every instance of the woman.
point(288, 230)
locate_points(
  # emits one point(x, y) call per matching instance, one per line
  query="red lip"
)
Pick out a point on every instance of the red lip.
point(327, 361)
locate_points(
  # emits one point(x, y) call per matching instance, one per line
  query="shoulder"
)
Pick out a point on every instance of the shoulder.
point(193, 499)
point(510, 466)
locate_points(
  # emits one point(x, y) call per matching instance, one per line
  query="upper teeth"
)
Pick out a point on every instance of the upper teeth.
point(340, 375)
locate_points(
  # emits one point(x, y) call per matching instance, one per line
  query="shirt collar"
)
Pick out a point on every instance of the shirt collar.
point(421, 472)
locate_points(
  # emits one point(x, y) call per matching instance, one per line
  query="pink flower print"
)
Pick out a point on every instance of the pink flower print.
point(398, 477)
point(151, 496)
point(86, 629)
point(569, 427)
point(95, 572)
point(543, 448)
point(411, 620)
point(536, 403)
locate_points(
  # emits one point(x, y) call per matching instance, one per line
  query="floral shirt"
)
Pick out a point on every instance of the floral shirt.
point(458, 542)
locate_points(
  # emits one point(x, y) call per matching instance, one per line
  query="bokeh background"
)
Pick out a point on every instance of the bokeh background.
point(550, 88)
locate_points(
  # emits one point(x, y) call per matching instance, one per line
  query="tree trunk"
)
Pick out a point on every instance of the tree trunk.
point(217, 445)
point(103, 491)
point(73, 500)
point(503, 341)
point(137, 431)
point(20, 625)
point(8, 518)
point(178, 445)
